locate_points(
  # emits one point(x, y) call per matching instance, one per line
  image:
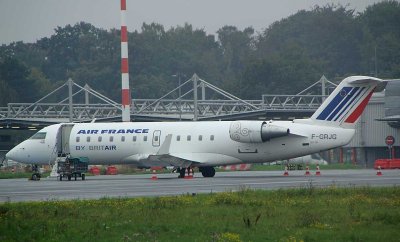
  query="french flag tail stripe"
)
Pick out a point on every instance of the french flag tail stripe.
point(343, 103)
point(336, 100)
point(353, 100)
point(347, 102)
point(358, 111)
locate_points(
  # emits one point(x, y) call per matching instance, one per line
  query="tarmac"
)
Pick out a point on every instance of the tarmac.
point(107, 186)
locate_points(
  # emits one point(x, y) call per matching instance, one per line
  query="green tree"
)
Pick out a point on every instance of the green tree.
point(236, 47)
point(328, 34)
point(15, 74)
point(381, 43)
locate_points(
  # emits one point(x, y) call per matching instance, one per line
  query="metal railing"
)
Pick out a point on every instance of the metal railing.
point(188, 104)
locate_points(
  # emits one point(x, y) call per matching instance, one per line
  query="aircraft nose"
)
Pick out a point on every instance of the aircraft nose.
point(10, 155)
point(15, 154)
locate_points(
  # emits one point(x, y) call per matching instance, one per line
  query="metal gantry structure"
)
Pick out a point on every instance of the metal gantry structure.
point(192, 104)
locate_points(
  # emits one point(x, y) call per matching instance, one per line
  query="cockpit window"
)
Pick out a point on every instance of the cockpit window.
point(39, 135)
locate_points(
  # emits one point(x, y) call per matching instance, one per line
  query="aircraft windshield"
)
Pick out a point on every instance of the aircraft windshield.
point(39, 135)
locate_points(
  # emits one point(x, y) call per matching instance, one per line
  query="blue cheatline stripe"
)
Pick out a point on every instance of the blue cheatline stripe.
point(351, 102)
point(331, 106)
point(342, 104)
point(360, 98)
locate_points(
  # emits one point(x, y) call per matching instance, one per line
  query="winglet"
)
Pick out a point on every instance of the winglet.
point(164, 149)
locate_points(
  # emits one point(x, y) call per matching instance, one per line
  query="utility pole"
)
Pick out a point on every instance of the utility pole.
point(376, 65)
point(323, 86)
point(71, 111)
point(196, 111)
point(87, 89)
point(179, 75)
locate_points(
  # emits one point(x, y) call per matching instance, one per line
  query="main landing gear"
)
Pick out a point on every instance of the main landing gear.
point(206, 171)
point(182, 172)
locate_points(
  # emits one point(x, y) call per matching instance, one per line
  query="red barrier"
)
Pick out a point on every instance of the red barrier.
point(111, 170)
point(387, 163)
point(95, 170)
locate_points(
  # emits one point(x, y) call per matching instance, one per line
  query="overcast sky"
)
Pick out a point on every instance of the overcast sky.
point(30, 20)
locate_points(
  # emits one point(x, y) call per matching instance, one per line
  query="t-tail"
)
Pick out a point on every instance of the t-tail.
point(347, 102)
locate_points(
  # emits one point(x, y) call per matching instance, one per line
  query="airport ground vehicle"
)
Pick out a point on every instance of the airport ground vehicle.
point(72, 167)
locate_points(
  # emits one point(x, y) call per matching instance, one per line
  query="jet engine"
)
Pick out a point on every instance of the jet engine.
point(255, 132)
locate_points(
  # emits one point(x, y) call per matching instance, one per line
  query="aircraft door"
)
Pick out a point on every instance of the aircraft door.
point(156, 138)
point(63, 139)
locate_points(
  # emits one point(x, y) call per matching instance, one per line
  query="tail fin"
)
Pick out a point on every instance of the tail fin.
point(347, 102)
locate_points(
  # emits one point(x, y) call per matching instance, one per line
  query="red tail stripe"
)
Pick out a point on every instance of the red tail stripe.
point(358, 111)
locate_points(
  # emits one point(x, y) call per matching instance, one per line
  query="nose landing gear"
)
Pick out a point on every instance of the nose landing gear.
point(35, 173)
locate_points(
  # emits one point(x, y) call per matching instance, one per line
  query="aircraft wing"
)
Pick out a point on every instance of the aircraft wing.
point(181, 159)
point(188, 159)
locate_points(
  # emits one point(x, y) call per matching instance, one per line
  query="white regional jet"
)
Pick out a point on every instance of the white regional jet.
point(205, 144)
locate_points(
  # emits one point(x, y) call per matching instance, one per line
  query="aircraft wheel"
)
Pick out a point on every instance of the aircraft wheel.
point(208, 171)
point(35, 177)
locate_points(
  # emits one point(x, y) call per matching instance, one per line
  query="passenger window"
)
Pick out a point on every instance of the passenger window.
point(200, 137)
point(178, 138)
point(78, 139)
point(189, 138)
point(100, 138)
point(212, 137)
point(111, 138)
point(134, 139)
point(145, 138)
point(123, 138)
point(88, 139)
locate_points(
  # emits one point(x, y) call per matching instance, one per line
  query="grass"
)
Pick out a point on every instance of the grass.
point(10, 175)
point(307, 214)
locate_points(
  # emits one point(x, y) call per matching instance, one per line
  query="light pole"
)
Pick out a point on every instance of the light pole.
point(179, 93)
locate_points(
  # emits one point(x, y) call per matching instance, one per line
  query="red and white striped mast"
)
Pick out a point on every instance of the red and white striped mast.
point(126, 95)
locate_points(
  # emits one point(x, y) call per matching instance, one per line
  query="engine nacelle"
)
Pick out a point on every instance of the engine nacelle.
point(270, 131)
point(255, 132)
